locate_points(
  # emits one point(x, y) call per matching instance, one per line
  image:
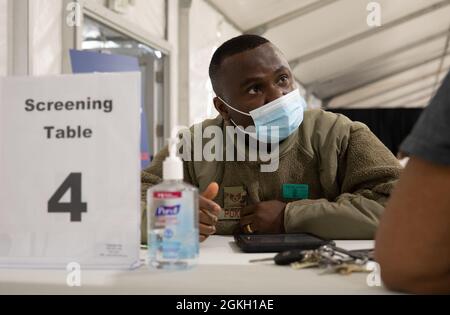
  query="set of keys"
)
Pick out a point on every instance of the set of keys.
point(329, 258)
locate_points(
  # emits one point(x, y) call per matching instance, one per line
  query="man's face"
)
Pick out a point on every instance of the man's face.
point(251, 79)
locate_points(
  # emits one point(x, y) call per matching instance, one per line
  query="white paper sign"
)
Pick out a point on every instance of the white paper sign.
point(69, 171)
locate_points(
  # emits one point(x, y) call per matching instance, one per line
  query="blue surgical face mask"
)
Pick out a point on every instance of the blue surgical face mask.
point(284, 114)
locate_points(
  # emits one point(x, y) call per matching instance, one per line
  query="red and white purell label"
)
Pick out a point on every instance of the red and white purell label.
point(167, 194)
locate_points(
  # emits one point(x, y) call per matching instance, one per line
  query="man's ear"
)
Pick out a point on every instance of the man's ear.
point(221, 108)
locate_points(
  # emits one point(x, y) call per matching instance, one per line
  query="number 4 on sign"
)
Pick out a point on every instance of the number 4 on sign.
point(75, 207)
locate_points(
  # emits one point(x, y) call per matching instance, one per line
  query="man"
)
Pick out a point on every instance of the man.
point(413, 243)
point(333, 177)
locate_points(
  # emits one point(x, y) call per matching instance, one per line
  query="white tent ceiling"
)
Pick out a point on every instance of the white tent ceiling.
point(343, 61)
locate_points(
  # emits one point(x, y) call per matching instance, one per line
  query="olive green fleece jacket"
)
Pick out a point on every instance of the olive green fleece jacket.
point(349, 173)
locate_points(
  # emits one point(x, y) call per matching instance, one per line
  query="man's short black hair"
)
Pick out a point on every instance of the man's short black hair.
point(232, 47)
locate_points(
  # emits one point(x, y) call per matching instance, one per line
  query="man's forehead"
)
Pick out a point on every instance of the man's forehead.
point(258, 61)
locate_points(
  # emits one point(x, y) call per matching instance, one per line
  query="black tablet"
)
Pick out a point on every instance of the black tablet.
point(274, 243)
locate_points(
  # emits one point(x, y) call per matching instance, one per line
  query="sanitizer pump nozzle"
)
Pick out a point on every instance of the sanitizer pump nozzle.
point(173, 165)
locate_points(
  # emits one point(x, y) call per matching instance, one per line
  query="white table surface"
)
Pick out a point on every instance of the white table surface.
point(222, 269)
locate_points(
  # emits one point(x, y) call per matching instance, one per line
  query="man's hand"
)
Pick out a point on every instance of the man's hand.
point(263, 217)
point(209, 210)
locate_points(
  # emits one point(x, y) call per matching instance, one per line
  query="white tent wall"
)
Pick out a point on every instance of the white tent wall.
point(208, 30)
point(172, 37)
point(3, 38)
point(339, 56)
point(46, 36)
point(147, 14)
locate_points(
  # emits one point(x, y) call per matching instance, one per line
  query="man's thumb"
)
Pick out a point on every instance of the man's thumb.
point(211, 191)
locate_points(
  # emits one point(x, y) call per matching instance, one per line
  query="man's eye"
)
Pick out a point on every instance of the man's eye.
point(254, 89)
point(283, 79)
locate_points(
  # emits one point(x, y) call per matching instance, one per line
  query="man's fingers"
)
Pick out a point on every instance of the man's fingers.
point(211, 191)
point(249, 210)
point(209, 210)
point(208, 205)
point(207, 218)
point(207, 229)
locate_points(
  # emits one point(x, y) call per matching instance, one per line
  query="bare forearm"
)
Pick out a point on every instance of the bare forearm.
point(413, 238)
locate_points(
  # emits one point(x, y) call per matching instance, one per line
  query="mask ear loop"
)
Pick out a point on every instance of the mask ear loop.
point(242, 129)
point(236, 110)
point(240, 112)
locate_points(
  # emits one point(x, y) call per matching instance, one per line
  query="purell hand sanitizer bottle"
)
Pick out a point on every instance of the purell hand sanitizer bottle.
point(172, 213)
